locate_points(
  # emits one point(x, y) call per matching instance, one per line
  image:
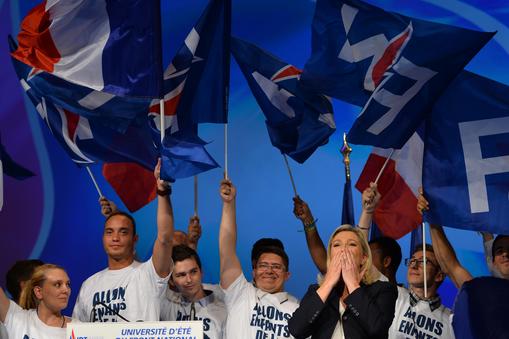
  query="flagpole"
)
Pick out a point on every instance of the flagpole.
point(195, 195)
point(226, 151)
point(383, 167)
point(424, 258)
point(290, 174)
point(345, 151)
point(161, 120)
point(95, 182)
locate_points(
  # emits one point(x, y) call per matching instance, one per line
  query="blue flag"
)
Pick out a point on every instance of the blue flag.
point(88, 140)
point(298, 121)
point(466, 157)
point(395, 66)
point(114, 111)
point(195, 91)
point(347, 214)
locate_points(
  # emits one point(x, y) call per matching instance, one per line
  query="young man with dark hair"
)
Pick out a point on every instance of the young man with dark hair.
point(193, 299)
point(261, 310)
point(418, 315)
point(128, 289)
point(386, 256)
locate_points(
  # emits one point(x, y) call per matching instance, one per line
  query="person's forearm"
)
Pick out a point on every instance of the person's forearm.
point(364, 223)
point(317, 249)
point(163, 245)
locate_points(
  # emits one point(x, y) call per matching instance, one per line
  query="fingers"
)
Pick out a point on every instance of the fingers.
point(422, 203)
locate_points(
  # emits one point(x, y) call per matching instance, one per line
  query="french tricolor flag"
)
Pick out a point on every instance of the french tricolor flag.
point(107, 45)
point(396, 213)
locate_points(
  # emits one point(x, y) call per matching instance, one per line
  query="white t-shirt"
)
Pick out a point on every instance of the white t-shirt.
point(3, 331)
point(210, 309)
point(419, 321)
point(253, 313)
point(25, 324)
point(134, 292)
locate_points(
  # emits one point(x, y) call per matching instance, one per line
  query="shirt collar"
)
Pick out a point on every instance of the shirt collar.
point(434, 302)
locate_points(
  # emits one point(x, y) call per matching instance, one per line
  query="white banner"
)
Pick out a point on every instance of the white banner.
point(136, 330)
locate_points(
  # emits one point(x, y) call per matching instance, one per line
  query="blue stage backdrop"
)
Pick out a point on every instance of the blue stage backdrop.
point(55, 216)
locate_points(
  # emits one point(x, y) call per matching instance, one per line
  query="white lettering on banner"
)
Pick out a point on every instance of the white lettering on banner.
point(478, 167)
point(278, 97)
point(383, 52)
point(406, 68)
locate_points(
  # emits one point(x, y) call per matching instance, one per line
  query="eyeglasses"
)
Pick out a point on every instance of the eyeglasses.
point(264, 267)
point(501, 250)
point(418, 262)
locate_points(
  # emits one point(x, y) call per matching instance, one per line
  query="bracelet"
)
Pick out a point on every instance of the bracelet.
point(363, 228)
point(165, 192)
point(311, 226)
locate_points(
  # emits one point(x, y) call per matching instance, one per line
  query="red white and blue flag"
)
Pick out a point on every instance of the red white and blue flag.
point(396, 213)
point(110, 46)
point(298, 121)
point(394, 66)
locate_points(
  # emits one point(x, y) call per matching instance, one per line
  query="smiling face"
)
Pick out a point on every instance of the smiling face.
point(270, 273)
point(119, 238)
point(55, 290)
point(501, 256)
point(187, 277)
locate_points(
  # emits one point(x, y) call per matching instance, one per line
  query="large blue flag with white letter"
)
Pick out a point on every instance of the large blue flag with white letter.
point(393, 65)
point(466, 157)
point(298, 121)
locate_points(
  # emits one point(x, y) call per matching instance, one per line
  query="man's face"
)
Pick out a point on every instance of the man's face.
point(270, 273)
point(187, 278)
point(501, 257)
point(55, 290)
point(118, 238)
point(415, 274)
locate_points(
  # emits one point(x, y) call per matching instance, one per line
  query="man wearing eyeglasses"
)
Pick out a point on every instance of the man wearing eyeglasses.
point(259, 310)
point(418, 315)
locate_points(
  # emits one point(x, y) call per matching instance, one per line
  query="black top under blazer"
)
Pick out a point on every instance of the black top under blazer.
point(368, 314)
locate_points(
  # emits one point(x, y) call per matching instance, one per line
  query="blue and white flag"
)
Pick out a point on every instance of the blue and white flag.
point(110, 46)
point(394, 66)
point(466, 156)
point(298, 121)
point(195, 91)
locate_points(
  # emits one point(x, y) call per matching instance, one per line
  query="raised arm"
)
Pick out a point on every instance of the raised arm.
point(443, 250)
point(4, 305)
point(161, 253)
point(370, 199)
point(194, 232)
point(229, 262)
point(315, 244)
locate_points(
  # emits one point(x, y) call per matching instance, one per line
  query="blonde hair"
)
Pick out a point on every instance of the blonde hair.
point(368, 277)
point(27, 299)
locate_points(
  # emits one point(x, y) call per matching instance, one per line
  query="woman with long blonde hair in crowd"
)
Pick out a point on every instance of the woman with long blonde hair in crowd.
point(349, 302)
point(42, 300)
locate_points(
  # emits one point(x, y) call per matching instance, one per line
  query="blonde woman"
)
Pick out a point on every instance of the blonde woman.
point(42, 299)
point(349, 303)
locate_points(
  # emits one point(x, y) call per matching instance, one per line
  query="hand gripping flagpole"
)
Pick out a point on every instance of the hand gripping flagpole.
point(95, 182)
point(290, 174)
